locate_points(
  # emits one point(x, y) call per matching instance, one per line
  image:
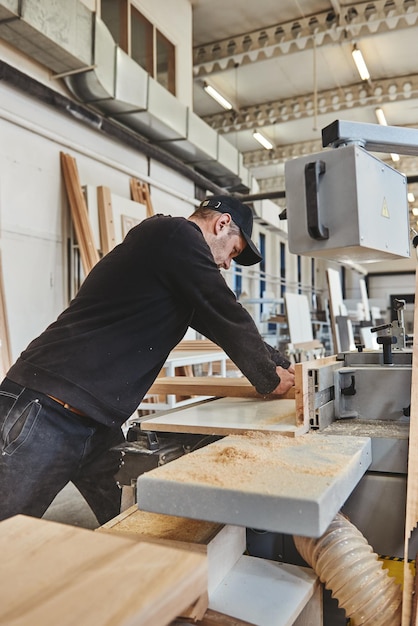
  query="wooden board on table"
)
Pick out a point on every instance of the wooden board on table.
point(169, 529)
point(220, 387)
point(222, 544)
point(267, 481)
point(53, 573)
point(229, 415)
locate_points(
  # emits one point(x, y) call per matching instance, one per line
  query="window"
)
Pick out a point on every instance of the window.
point(115, 15)
point(141, 40)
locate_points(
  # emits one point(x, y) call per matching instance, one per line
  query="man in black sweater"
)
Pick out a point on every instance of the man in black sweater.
point(65, 399)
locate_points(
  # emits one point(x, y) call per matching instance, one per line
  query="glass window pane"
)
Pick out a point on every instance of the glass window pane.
point(141, 41)
point(114, 15)
point(166, 63)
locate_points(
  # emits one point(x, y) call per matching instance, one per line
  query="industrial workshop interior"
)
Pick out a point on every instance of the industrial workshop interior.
point(238, 508)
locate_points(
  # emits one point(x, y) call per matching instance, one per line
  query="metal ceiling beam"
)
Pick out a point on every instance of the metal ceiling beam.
point(269, 186)
point(281, 154)
point(332, 100)
point(353, 22)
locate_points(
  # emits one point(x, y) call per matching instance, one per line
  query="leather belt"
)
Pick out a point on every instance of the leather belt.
point(67, 406)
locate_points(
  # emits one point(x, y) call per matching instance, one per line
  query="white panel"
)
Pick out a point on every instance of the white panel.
point(227, 154)
point(163, 201)
point(298, 317)
point(33, 285)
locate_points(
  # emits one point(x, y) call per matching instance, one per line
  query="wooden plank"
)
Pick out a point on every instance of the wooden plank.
point(229, 415)
point(140, 193)
point(106, 223)
point(220, 387)
point(6, 359)
point(53, 573)
point(79, 213)
point(169, 529)
point(222, 545)
point(411, 519)
point(147, 198)
point(202, 345)
point(214, 618)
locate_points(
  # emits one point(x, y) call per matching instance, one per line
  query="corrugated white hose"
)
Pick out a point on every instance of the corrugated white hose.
point(348, 567)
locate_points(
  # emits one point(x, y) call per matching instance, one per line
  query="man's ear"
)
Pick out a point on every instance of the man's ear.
point(222, 221)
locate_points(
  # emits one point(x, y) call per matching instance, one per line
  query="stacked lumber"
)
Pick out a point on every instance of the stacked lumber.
point(140, 193)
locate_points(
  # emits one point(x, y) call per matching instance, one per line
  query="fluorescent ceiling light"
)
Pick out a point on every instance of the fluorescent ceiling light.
point(360, 63)
point(415, 211)
point(381, 117)
point(411, 197)
point(262, 140)
point(217, 96)
point(382, 121)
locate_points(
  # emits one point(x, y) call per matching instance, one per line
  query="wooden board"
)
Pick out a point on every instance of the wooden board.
point(412, 484)
point(294, 485)
point(55, 574)
point(222, 545)
point(106, 221)
point(79, 213)
point(180, 531)
point(229, 415)
point(197, 344)
point(5, 350)
point(219, 387)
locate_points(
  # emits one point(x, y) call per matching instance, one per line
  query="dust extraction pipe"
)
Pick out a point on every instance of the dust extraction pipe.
point(349, 568)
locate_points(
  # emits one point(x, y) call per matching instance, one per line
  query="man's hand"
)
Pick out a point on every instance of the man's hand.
point(287, 380)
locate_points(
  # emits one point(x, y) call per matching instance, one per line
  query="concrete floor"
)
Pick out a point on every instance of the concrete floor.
point(69, 507)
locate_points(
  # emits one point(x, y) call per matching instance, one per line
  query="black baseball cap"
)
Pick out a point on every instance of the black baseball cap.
point(242, 215)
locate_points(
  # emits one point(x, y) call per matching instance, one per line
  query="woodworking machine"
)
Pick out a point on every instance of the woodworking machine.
point(346, 205)
point(343, 204)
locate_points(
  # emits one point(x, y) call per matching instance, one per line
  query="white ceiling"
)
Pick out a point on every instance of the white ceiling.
point(312, 68)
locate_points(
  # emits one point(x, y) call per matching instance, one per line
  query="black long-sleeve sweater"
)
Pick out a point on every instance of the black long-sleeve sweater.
point(105, 350)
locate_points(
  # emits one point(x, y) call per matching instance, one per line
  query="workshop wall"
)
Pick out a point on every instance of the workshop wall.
point(35, 228)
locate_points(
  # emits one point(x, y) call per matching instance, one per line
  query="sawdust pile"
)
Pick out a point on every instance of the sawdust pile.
point(141, 524)
point(264, 461)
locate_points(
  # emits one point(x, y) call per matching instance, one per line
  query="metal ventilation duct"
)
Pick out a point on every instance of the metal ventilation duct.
point(118, 87)
point(66, 37)
point(57, 34)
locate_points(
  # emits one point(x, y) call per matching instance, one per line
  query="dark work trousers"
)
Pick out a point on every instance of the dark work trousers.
point(44, 446)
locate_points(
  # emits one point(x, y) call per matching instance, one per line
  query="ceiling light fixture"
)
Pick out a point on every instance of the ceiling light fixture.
point(381, 117)
point(382, 121)
point(262, 140)
point(360, 63)
point(411, 197)
point(213, 93)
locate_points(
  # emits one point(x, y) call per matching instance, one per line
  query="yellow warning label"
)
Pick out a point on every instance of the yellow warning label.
point(385, 210)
